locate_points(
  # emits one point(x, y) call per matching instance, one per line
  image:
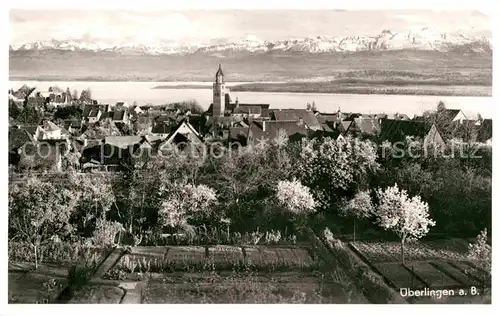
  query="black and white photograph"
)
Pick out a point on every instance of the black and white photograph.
point(249, 156)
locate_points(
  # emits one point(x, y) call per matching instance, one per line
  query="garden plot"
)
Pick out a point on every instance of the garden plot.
point(378, 252)
point(150, 251)
point(98, 294)
point(452, 271)
point(212, 287)
point(399, 276)
point(193, 255)
point(32, 288)
point(475, 273)
point(222, 255)
point(277, 256)
point(432, 276)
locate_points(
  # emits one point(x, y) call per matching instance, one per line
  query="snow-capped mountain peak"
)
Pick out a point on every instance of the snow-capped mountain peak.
point(421, 39)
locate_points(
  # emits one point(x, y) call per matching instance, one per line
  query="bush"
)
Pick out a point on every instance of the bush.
point(79, 275)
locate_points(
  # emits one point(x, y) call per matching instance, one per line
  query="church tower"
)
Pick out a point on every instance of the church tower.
point(219, 91)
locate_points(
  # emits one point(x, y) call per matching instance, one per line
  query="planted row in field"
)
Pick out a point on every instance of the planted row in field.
point(170, 259)
point(432, 276)
point(380, 252)
point(399, 276)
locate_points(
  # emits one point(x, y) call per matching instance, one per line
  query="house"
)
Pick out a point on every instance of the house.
point(44, 156)
point(217, 126)
point(308, 117)
point(248, 109)
point(136, 110)
point(49, 130)
point(57, 97)
point(344, 126)
point(163, 125)
point(367, 127)
point(452, 115)
point(142, 125)
point(397, 131)
point(121, 104)
point(92, 113)
point(268, 130)
point(183, 132)
point(334, 134)
point(116, 116)
point(21, 94)
point(120, 152)
point(238, 135)
point(184, 138)
point(18, 138)
point(72, 126)
point(396, 116)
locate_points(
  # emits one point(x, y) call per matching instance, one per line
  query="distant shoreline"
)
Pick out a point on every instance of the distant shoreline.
point(476, 90)
point(433, 87)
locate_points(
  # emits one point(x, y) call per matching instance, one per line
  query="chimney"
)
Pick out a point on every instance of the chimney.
point(237, 103)
point(263, 126)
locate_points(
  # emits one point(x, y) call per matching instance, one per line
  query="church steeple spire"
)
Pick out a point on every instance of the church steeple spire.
point(219, 75)
point(219, 94)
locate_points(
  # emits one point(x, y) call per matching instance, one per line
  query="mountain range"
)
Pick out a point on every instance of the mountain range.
point(423, 39)
point(424, 54)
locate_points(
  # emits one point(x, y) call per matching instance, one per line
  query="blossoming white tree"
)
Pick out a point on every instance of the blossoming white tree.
point(407, 217)
point(480, 252)
point(360, 206)
point(183, 202)
point(296, 198)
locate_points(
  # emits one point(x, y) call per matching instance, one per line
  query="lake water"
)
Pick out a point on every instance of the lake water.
point(143, 93)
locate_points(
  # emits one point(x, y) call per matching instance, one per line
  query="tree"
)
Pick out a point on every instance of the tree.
point(95, 197)
point(185, 205)
point(441, 106)
point(38, 211)
point(105, 232)
point(480, 253)
point(360, 206)
point(74, 95)
point(71, 112)
point(295, 198)
point(407, 217)
point(333, 168)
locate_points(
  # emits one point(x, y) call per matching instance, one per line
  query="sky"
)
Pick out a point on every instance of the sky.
point(188, 26)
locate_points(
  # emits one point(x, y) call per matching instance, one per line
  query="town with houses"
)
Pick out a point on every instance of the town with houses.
point(125, 127)
point(210, 157)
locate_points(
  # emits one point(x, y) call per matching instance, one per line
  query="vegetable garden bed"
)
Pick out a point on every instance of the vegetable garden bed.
point(379, 252)
point(432, 276)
